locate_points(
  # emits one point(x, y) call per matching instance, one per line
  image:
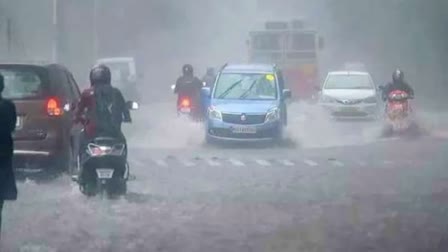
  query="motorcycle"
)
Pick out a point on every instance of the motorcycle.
point(187, 108)
point(399, 116)
point(102, 165)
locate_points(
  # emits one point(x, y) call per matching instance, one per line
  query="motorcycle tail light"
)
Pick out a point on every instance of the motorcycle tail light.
point(97, 150)
point(118, 150)
point(185, 103)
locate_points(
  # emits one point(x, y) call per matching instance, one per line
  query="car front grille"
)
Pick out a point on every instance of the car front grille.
point(249, 119)
point(349, 102)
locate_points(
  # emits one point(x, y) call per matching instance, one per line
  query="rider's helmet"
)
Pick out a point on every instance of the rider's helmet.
point(187, 70)
point(100, 74)
point(398, 76)
point(211, 71)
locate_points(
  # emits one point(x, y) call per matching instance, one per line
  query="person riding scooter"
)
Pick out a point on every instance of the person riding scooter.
point(188, 86)
point(209, 77)
point(398, 83)
point(102, 108)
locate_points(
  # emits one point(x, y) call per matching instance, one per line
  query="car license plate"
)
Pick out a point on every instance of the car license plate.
point(244, 130)
point(185, 110)
point(104, 173)
point(350, 109)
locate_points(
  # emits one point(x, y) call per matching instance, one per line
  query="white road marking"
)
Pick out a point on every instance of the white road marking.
point(337, 163)
point(236, 162)
point(161, 162)
point(188, 163)
point(310, 162)
point(263, 162)
point(213, 163)
point(287, 162)
point(388, 139)
point(137, 162)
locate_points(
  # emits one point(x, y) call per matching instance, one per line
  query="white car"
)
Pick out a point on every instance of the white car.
point(347, 94)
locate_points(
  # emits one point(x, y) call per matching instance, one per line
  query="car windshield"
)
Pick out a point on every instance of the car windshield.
point(246, 86)
point(21, 83)
point(357, 81)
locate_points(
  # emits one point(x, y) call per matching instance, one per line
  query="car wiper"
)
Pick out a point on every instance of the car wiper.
point(246, 93)
point(227, 91)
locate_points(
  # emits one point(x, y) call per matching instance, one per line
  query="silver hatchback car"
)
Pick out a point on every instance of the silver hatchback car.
point(348, 94)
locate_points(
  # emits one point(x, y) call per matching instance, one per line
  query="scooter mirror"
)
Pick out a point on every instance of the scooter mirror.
point(132, 105)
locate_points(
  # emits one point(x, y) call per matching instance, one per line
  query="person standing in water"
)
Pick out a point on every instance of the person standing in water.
point(8, 118)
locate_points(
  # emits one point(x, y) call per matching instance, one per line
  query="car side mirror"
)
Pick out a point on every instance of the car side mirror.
point(287, 94)
point(70, 107)
point(132, 105)
point(173, 87)
point(206, 92)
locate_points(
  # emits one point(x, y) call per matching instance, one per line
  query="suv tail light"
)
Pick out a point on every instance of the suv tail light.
point(54, 107)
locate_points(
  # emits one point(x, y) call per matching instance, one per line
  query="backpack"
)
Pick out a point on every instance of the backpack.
point(105, 102)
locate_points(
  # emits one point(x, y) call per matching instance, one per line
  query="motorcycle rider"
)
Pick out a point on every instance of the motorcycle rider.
point(189, 86)
point(209, 77)
point(398, 83)
point(102, 108)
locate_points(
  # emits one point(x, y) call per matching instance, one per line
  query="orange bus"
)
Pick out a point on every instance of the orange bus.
point(294, 49)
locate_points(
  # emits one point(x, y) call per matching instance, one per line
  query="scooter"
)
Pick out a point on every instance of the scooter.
point(102, 166)
point(399, 114)
point(187, 108)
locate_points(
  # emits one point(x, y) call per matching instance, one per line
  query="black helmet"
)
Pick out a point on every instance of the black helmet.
point(187, 69)
point(210, 71)
point(100, 74)
point(398, 75)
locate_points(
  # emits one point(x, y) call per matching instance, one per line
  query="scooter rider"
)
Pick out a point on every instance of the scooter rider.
point(398, 83)
point(209, 77)
point(102, 108)
point(188, 85)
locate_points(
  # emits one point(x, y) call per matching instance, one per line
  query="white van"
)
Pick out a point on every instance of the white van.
point(124, 75)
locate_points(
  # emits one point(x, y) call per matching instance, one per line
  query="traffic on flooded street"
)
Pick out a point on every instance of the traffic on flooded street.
point(284, 125)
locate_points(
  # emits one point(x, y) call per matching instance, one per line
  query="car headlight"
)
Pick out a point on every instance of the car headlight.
point(327, 99)
point(273, 115)
point(213, 113)
point(371, 99)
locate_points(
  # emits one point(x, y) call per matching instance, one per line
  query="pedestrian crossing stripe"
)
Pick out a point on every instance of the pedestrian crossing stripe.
point(236, 162)
point(248, 162)
point(287, 162)
point(213, 163)
point(262, 162)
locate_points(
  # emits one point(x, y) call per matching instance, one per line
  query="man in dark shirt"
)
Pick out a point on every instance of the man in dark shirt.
point(8, 118)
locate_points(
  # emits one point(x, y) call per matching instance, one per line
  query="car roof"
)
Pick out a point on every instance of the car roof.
point(41, 65)
point(348, 73)
point(249, 68)
point(115, 59)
